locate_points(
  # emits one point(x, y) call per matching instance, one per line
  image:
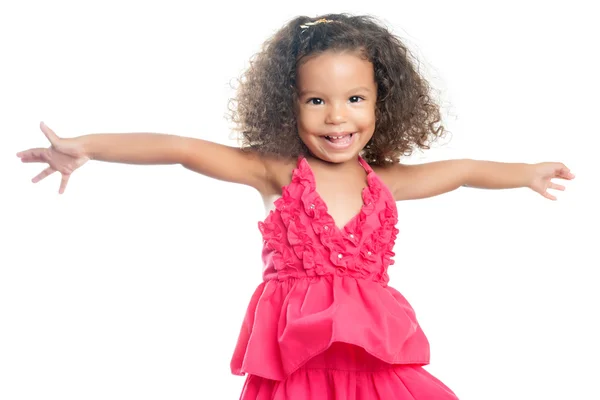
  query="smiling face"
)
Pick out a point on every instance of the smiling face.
point(336, 105)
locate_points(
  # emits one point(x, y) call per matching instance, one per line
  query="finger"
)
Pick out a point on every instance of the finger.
point(32, 155)
point(50, 135)
point(63, 183)
point(43, 174)
point(555, 186)
point(36, 154)
point(32, 160)
point(548, 196)
point(565, 172)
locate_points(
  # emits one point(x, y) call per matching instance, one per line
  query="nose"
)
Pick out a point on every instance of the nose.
point(336, 114)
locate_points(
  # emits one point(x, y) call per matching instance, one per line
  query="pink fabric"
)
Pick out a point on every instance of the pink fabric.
point(326, 287)
point(345, 372)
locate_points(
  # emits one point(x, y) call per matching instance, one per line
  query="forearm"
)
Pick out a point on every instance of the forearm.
point(134, 148)
point(496, 175)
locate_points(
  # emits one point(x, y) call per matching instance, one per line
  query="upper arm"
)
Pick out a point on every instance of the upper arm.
point(410, 182)
point(226, 163)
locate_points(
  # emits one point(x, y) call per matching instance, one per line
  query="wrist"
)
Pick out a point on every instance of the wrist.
point(83, 146)
point(528, 175)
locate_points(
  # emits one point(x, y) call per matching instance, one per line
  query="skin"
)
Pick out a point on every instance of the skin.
point(337, 93)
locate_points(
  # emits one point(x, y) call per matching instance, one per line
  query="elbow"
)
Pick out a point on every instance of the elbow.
point(467, 171)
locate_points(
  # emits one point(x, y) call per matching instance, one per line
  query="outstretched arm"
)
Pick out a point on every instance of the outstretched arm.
point(65, 155)
point(409, 182)
point(211, 159)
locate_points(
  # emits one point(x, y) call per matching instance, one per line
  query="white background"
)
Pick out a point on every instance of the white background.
point(134, 283)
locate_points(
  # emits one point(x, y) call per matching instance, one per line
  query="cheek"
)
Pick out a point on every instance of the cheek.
point(366, 119)
point(308, 123)
point(304, 129)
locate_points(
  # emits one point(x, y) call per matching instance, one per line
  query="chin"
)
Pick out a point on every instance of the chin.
point(335, 158)
point(339, 158)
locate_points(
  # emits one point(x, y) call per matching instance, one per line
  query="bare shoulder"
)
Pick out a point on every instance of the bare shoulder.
point(279, 174)
point(388, 174)
point(402, 180)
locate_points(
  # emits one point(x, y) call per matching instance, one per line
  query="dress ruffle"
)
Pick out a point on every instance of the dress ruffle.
point(347, 372)
point(301, 238)
point(288, 322)
point(324, 285)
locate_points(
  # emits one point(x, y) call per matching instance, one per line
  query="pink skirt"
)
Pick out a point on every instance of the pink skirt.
point(346, 372)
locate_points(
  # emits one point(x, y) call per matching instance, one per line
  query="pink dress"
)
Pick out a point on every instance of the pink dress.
point(324, 324)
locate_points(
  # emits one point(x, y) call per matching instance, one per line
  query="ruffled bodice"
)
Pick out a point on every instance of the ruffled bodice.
point(325, 284)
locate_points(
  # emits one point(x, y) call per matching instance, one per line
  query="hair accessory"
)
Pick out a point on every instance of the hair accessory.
point(319, 21)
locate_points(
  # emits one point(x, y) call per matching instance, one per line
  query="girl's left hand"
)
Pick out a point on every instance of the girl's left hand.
point(542, 175)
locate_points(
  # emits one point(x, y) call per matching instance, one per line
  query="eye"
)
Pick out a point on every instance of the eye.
point(356, 99)
point(315, 101)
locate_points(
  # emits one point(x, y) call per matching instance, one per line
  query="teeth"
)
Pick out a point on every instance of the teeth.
point(335, 137)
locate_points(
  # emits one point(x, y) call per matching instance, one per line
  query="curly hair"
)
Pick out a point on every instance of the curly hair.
point(263, 108)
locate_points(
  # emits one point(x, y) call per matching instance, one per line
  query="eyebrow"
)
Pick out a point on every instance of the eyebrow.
point(304, 92)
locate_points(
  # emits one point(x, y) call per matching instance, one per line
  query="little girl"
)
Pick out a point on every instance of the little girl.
point(325, 111)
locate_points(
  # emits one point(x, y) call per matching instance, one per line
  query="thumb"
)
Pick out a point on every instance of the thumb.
point(50, 135)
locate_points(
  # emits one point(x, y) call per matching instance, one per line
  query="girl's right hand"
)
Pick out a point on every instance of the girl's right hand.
point(64, 156)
